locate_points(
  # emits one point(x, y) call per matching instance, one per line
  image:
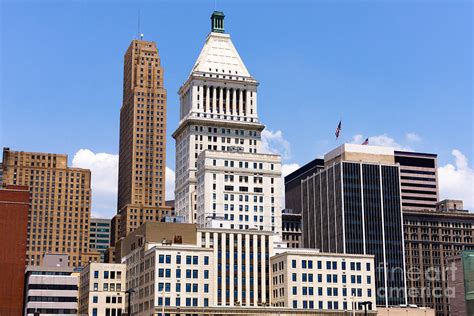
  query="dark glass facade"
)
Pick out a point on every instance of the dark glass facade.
point(353, 207)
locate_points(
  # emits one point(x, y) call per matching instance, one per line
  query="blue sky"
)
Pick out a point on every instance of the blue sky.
point(400, 72)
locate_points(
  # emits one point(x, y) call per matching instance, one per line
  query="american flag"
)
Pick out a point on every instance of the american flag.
point(366, 142)
point(338, 129)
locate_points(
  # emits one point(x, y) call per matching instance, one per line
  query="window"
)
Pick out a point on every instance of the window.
point(96, 274)
point(94, 312)
point(178, 273)
point(178, 259)
point(206, 274)
point(106, 274)
point(106, 286)
point(293, 264)
point(206, 288)
point(161, 259)
point(295, 304)
point(96, 286)
point(168, 258)
point(95, 299)
point(188, 259)
point(206, 260)
point(178, 287)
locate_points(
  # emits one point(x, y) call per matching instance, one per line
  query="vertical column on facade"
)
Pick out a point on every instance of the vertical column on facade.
point(220, 101)
point(236, 102)
point(241, 102)
point(264, 272)
point(224, 270)
point(254, 106)
point(232, 250)
point(216, 267)
point(227, 101)
point(247, 270)
point(239, 268)
point(255, 268)
point(206, 103)
point(214, 101)
point(383, 236)
point(194, 98)
point(363, 207)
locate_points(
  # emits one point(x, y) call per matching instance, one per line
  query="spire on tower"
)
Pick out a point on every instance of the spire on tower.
point(217, 22)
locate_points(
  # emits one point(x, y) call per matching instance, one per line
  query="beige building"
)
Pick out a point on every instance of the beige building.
point(431, 237)
point(60, 204)
point(234, 264)
point(142, 162)
point(102, 289)
point(309, 279)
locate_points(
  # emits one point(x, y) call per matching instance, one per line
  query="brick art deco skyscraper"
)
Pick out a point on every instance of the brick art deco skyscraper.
point(142, 162)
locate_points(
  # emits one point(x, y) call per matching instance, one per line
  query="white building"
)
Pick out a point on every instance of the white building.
point(309, 279)
point(218, 112)
point(239, 190)
point(171, 265)
point(170, 275)
point(51, 289)
point(102, 289)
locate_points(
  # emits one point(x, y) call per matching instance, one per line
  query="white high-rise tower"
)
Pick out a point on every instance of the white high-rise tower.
point(220, 172)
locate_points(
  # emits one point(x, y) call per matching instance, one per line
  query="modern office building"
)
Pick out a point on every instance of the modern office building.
point(309, 279)
point(461, 280)
point(51, 288)
point(14, 205)
point(419, 180)
point(291, 228)
point(99, 237)
point(432, 236)
point(354, 206)
point(293, 183)
point(60, 200)
point(218, 114)
point(102, 289)
point(237, 264)
point(142, 152)
point(239, 190)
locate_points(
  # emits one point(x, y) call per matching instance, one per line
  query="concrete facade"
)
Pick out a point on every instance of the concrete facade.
point(309, 279)
point(239, 191)
point(142, 152)
point(418, 180)
point(60, 203)
point(218, 111)
point(52, 288)
point(102, 289)
point(431, 237)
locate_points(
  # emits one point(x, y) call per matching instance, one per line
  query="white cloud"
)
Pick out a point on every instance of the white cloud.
point(275, 143)
point(170, 177)
point(380, 140)
point(286, 169)
point(457, 181)
point(413, 137)
point(104, 171)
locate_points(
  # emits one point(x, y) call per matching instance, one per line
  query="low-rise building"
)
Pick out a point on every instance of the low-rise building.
point(173, 265)
point(102, 289)
point(309, 279)
point(291, 228)
point(51, 288)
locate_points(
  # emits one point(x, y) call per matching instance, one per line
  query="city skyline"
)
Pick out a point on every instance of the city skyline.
point(316, 87)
